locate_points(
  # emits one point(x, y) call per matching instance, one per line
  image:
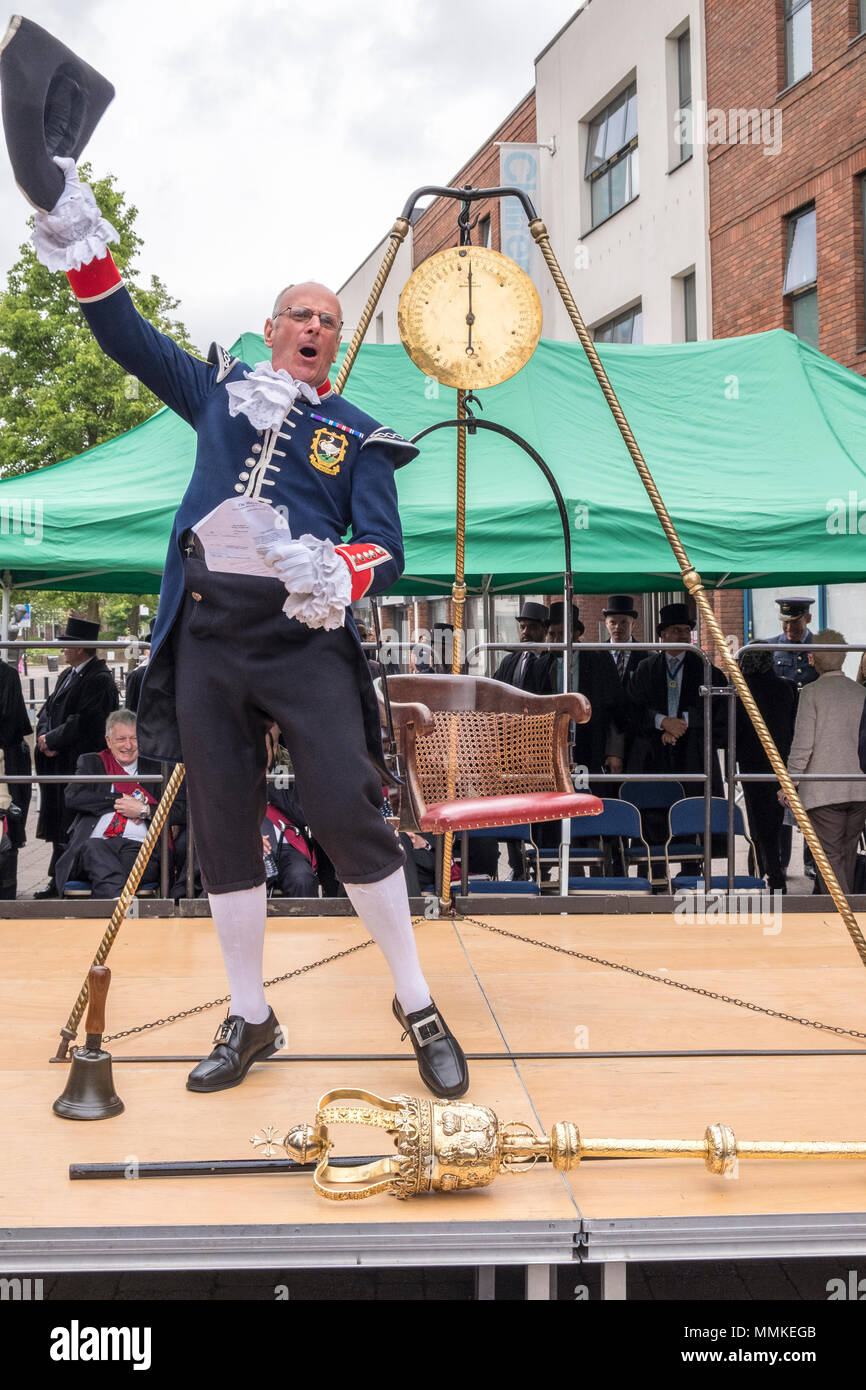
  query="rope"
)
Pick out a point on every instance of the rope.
point(694, 585)
point(458, 593)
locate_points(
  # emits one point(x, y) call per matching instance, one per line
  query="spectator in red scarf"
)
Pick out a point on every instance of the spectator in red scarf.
point(111, 817)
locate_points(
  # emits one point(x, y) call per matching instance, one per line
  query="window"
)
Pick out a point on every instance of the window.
point(684, 81)
point(611, 156)
point(801, 274)
point(861, 16)
point(625, 328)
point(485, 232)
point(690, 309)
point(798, 40)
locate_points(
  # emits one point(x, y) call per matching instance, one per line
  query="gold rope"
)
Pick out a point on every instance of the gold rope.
point(458, 594)
point(398, 235)
point(694, 585)
point(120, 909)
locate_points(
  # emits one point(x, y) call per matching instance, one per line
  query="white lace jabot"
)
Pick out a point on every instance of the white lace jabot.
point(265, 395)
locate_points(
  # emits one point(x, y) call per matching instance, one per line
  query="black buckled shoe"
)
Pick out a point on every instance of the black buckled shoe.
point(239, 1044)
point(440, 1057)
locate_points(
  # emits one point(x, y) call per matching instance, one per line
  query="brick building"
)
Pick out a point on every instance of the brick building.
point(786, 213)
point(786, 153)
point(436, 228)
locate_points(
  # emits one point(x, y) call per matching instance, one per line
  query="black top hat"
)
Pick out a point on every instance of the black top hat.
point(794, 607)
point(52, 102)
point(557, 616)
point(79, 632)
point(620, 605)
point(674, 615)
point(534, 613)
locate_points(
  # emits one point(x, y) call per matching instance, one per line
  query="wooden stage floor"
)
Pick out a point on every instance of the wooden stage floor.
point(616, 1073)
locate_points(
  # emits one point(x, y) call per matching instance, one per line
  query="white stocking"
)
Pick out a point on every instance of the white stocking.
point(383, 907)
point(240, 919)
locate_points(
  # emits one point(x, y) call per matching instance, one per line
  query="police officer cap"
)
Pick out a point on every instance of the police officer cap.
point(557, 616)
point(620, 606)
point(794, 607)
point(534, 613)
point(52, 102)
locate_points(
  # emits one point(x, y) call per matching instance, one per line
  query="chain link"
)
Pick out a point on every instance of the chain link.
point(212, 1004)
point(666, 980)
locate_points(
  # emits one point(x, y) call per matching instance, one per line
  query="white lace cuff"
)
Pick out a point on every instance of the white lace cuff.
point(74, 232)
point(326, 605)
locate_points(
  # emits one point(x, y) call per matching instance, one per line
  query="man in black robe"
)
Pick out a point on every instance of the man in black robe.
point(70, 723)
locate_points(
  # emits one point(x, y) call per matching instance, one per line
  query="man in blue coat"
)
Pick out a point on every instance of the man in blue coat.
point(234, 652)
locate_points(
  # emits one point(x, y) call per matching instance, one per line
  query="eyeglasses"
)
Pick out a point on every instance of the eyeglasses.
point(301, 314)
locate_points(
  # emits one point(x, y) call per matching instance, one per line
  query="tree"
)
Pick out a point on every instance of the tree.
point(59, 393)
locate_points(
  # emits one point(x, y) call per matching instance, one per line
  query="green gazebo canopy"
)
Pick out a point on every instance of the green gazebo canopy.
point(757, 445)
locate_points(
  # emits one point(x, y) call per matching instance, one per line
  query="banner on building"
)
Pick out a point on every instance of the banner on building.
point(519, 168)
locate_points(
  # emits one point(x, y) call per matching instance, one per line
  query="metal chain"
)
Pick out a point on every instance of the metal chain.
point(665, 980)
point(201, 1008)
point(527, 941)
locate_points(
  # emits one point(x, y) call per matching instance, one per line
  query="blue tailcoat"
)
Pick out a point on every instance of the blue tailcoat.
point(289, 469)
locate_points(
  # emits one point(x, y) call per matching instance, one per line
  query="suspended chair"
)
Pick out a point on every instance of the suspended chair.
point(476, 753)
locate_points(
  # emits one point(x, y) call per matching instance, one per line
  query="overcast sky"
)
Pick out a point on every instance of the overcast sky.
point(264, 141)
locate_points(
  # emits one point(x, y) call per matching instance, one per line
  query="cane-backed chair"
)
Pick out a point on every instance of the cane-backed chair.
point(476, 753)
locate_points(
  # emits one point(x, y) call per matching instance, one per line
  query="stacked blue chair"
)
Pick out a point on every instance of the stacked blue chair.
point(687, 822)
point(618, 821)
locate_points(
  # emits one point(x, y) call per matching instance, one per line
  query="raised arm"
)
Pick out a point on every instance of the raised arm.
point(74, 238)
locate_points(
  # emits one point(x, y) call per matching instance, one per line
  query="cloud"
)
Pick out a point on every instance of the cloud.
point(264, 143)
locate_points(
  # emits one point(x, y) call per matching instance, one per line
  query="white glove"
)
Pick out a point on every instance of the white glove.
point(294, 563)
point(318, 580)
point(74, 232)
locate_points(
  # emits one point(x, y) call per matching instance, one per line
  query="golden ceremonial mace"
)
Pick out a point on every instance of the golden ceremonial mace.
point(450, 1146)
point(454, 1146)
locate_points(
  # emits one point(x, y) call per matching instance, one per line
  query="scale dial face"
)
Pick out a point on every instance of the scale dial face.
point(469, 317)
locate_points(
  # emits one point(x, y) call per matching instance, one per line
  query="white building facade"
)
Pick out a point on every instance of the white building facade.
point(355, 292)
point(625, 196)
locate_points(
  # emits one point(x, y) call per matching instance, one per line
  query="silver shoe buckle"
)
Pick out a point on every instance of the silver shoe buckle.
point(225, 1031)
point(427, 1030)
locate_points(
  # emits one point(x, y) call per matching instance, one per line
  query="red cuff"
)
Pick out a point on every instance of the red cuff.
point(362, 560)
point(95, 280)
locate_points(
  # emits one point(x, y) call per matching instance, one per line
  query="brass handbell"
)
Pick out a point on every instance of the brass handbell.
point(451, 1146)
point(89, 1092)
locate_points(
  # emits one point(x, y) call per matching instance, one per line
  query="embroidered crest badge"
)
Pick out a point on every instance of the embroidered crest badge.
point(328, 450)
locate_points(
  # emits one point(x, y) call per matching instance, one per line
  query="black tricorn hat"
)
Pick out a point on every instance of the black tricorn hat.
point(557, 616)
point(79, 632)
point(52, 102)
point(620, 605)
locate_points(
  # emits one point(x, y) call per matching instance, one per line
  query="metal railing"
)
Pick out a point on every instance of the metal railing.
point(708, 692)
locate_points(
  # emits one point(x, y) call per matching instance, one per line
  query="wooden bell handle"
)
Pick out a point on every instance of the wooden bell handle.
point(98, 980)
